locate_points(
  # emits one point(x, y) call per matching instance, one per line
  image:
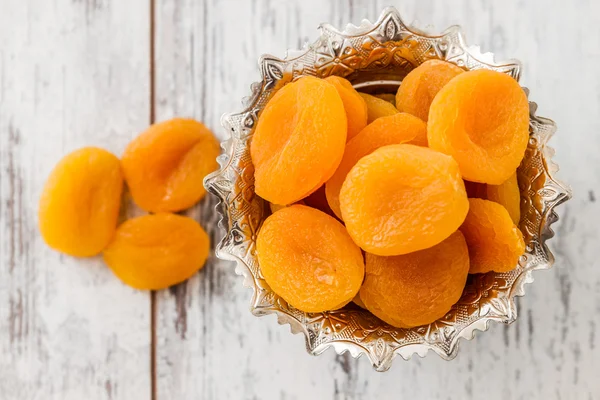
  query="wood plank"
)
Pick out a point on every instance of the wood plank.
point(72, 74)
point(209, 345)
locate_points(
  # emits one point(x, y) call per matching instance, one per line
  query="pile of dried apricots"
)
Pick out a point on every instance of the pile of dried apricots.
point(390, 201)
point(163, 168)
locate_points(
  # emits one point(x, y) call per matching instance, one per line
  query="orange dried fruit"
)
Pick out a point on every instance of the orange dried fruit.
point(308, 259)
point(481, 118)
point(420, 86)
point(417, 288)
point(156, 251)
point(79, 206)
point(164, 166)
point(354, 105)
point(390, 98)
point(508, 195)
point(377, 108)
point(495, 243)
point(403, 198)
point(299, 140)
point(394, 129)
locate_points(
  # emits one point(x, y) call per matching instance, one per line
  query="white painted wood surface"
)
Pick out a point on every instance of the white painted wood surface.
point(72, 73)
point(75, 73)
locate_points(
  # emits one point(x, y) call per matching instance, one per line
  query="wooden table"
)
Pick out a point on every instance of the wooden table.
point(97, 72)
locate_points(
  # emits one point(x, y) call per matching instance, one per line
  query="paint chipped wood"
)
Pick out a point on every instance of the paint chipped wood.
point(68, 78)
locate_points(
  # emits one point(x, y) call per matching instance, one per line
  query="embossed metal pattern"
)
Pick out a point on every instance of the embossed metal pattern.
point(387, 49)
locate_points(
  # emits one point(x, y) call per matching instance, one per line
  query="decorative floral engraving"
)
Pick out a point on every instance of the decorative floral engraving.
point(386, 48)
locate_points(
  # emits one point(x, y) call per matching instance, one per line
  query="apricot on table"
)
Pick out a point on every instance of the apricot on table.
point(417, 288)
point(308, 259)
point(481, 118)
point(394, 129)
point(299, 140)
point(495, 243)
point(377, 108)
point(420, 86)
point(403, 198)
point(164, 166)
point(156, 251)
point(79, 206)
point(354, 105)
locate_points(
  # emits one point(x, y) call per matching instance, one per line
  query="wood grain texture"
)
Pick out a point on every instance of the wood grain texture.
point(209, 345)
point(72, 74)
point(76, 72)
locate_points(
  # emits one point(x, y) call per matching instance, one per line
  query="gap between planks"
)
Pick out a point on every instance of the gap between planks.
point(152, 61)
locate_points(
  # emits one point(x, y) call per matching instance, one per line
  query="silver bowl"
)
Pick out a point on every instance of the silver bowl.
point(376, 57)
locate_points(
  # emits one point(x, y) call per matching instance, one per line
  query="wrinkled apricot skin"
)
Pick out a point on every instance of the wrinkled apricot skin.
point(395, 129)
point(481, 118)
point(420, 86)
point(377, 108)
point(79, 206)
point(508, 195)
point(417, 288)
point(308, 259)
point(299, 140)
point(164, 166)
point(354, 105)
point(156, 251)
point(403, 198)
point(495, 243)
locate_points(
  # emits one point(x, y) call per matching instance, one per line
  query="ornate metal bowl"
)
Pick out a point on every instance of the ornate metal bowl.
point(376, 57)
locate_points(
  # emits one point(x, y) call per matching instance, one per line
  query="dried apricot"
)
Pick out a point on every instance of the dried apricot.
point(421, 85)
point(495, 243)
point(377, 108)
point(508, 195)
point(299, 140)
point(390, 98)
point(156, 251)
point(403, 198)
point(394, 129)
point(354, 104)
point(308, 258)
point(481, 118)
point(417, 288)
point(165, 165)
point(79, 206)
